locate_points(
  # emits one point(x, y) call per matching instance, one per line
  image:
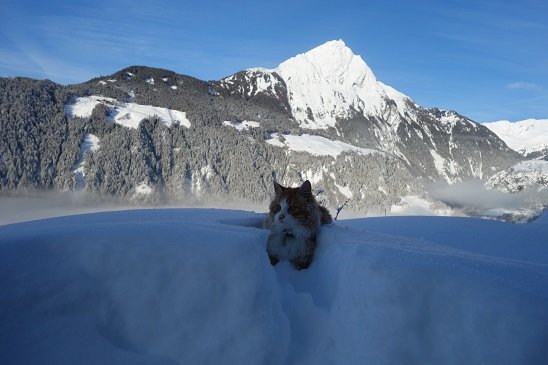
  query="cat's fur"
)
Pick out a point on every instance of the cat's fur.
point(294, 221)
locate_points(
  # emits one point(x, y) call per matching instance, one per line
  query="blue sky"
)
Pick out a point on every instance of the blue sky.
point(487, 60)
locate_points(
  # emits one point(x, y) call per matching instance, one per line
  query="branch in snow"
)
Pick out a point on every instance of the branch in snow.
point(341, 208)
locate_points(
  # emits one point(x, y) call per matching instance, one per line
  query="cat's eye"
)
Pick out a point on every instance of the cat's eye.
point(276, 208)
point(294, 210)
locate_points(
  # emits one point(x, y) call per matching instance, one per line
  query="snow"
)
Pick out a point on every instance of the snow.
point(143, 189)
point(329, 82)
point(89, 144)
point(240, 126)
point(316, 145)
point(186, 286)
point(345, 190)
point(523, 136)
point(444, 167)
point(126, 114)
point(524, 174)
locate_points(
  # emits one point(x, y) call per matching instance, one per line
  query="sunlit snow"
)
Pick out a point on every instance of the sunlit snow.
point(524, 136)
point(316, 145)
point(329, 82)
point(89, 144)
point(194, 286)
point(241, 125)
point(126, 114)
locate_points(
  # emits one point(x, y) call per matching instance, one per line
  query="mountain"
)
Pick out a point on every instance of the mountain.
point(151, 134)
point(526, 174)
point(529, 137)
point(332, 90)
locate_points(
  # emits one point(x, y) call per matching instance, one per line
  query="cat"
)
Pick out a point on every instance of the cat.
point(294, 221)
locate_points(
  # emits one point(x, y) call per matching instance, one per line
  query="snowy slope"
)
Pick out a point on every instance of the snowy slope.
point(525, 136)
point(127, 114)
point(89, 144)
point(194, 286)
point(316, 145)
point(332, 89)
point(526, 174)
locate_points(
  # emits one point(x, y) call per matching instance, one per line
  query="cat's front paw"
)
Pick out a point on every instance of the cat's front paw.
point(273, 260)
point(302, 263)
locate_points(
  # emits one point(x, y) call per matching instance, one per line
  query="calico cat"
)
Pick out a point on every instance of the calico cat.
point(294, 220)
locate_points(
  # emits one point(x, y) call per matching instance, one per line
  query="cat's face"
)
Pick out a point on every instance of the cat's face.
point(290, 205)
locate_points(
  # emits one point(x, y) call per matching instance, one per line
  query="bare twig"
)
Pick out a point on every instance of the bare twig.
point(341, 208)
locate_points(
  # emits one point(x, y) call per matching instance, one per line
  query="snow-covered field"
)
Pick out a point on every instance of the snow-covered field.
point(194, 286)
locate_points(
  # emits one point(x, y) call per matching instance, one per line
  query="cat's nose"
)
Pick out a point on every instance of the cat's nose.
point(281, 217)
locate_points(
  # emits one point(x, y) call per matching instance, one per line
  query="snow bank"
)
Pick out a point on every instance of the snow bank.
point(178, 286)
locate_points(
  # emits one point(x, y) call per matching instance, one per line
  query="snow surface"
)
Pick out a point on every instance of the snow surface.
point(316, 145)
point(446, 169)
point(240, 126)
point(525, 136)
point(143, 189)
point(188, 286)
point(126, 114)
point(89, 144)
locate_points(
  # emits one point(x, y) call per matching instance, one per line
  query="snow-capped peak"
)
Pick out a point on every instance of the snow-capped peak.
point(524, 136)
point(334, 62)
point(330, 82)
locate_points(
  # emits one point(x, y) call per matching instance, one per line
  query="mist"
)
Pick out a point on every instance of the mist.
point(41, 204)
point(473, 195)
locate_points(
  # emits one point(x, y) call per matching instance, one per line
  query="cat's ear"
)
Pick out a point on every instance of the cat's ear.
point(306, 189)
point(278, 188)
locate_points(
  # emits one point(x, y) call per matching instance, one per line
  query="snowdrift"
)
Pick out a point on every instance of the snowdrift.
point(184, 286)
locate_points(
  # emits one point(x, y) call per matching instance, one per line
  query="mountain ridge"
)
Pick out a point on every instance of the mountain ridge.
point(420, 145)
point(529, 137)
